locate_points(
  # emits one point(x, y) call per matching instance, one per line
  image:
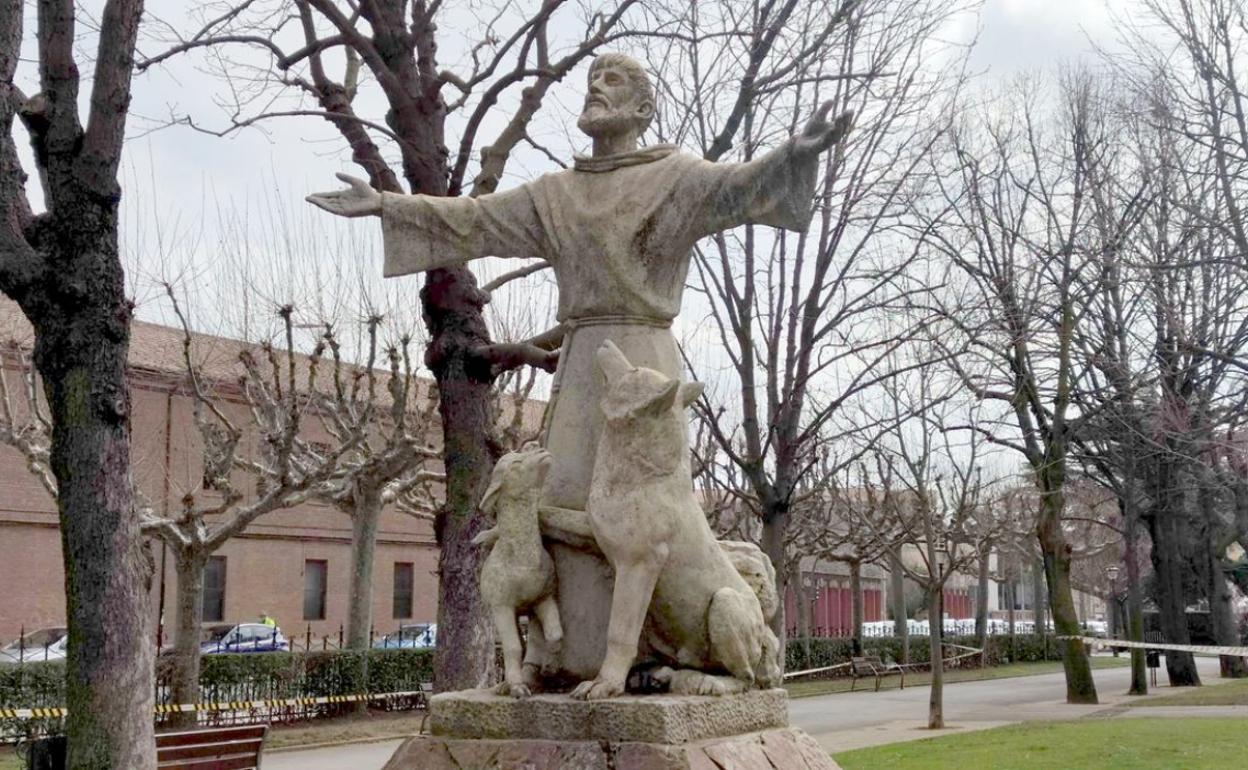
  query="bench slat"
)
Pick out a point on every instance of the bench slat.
point(242, 762)
point(219, 749)
point(210, 734)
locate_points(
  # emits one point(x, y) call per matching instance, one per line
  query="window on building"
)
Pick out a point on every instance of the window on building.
point(402, 589)
point(214, 589)
point(315, 581)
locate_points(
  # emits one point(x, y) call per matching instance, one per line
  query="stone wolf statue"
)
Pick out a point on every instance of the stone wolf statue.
point(671, 574)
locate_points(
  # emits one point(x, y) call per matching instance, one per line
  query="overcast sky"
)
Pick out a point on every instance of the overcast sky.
point(178, 181)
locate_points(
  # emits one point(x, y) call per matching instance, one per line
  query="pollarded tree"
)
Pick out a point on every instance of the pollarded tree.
point(62, 267)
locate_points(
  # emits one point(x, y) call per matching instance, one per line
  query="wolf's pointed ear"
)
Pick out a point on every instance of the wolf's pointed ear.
point(612, 362)
point(660, 403)
point(689, 392)
point(489, 501)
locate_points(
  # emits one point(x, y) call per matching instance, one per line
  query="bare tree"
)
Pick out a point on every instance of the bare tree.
point(790, 312)
point(936, 502)
point(314, 59)
point(1018, 231)
point(288, 471)
point(62, 267)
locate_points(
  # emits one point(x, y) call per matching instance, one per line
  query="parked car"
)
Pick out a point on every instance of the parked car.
point(44, 644)
point(243, 637)
point(414, 637)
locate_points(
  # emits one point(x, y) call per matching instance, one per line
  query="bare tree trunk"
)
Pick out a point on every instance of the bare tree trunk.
point(936, 702)
point(897, 589)
point(855, 603)
point(1009, 616)
point(1166, 523)
point(802, 603)
point(188, 619)
point(981, 600)
point(1080, 687)
point(1221, 613)
point(772, 542)
point(1135, 602)
point(365, 517)
point(452, 303)
point(1038, 599)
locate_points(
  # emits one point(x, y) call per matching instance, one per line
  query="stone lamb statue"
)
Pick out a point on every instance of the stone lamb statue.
point(671, 574)
point(518, 576)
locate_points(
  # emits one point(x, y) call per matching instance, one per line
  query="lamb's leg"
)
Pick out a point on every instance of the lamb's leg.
point(630, 600)
point(513, 650)
point(547, 615)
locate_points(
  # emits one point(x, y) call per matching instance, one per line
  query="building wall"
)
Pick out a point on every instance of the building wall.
point(264, 567)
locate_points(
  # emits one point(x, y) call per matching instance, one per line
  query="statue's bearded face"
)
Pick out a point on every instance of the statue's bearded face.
point(614, 104)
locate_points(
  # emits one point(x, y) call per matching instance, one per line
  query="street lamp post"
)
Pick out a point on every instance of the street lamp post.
point(936, 629)
point(1112, 604)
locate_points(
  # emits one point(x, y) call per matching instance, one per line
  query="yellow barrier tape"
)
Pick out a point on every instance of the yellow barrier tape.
point(170, 708)
point(1200, 649)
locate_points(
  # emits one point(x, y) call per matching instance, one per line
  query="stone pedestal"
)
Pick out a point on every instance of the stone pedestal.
point(477, 730)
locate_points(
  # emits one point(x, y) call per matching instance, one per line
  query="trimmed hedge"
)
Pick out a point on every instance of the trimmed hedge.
point(819, 652)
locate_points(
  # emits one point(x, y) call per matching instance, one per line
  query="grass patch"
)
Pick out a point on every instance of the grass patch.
point(1107, 744)
point(9, 759)
point(1233, 693)
point(811, 687)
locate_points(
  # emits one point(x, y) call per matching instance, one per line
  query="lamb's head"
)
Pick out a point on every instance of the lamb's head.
point(518, 477)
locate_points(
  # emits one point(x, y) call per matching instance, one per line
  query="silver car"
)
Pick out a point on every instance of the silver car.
point(44, 644)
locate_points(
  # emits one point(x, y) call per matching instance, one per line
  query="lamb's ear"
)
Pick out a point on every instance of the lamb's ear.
point(660, 403)
point(612, 362)
point(486, 537)
point(689, 392)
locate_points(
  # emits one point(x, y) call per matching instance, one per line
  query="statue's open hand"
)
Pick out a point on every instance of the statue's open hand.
point(358, 200)
point(819, 134)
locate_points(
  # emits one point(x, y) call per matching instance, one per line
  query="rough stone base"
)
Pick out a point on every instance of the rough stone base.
point(776, 749)
point(662, 719)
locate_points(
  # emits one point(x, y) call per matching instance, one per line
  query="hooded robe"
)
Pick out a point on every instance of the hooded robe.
point(618, 232)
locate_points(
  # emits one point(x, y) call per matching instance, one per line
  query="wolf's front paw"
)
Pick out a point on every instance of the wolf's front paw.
point(598, 690)
point(515, 690)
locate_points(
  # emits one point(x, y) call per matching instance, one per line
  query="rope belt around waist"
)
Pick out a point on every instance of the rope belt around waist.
point(572, 324)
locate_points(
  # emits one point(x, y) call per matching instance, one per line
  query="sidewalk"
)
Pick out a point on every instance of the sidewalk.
point(971, 706)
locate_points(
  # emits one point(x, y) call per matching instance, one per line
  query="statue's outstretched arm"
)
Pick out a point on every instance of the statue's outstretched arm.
point(358, 200)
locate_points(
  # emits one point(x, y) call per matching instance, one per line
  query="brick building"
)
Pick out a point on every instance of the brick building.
point(292, 564)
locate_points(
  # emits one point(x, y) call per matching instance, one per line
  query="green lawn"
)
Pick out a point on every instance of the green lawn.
point(1228, 694)
point(9, 760)
point(1105, 744)
point(811, 687)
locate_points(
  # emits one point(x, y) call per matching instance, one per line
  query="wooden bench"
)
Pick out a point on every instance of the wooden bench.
point(215, 748)
point(872, 666)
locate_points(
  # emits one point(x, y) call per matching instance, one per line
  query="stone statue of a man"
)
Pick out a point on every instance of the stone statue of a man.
point(618, 230)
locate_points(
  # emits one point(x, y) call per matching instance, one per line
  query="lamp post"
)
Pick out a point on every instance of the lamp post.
point(1112, 604)
point(936, 629)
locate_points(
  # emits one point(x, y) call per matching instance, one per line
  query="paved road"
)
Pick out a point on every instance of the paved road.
point(853, 720)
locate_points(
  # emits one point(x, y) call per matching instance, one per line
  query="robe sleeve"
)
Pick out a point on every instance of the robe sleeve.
point(423, 232)
point(776, 189)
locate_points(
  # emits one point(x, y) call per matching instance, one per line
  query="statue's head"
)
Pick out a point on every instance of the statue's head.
point(619, 98)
